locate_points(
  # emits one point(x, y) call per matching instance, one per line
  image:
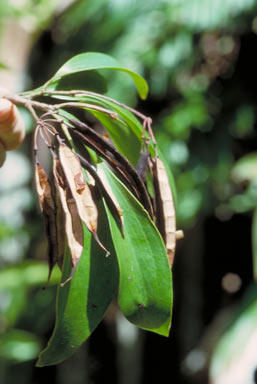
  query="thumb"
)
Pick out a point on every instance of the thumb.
point(12, 128)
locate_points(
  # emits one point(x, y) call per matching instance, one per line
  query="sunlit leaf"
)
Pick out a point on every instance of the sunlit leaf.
point(145, 288)
point(82, 302)
point(95, 61)
point(165, 211)
point(123, 137)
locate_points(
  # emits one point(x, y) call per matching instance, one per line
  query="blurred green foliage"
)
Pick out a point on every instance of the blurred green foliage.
point(203, 119)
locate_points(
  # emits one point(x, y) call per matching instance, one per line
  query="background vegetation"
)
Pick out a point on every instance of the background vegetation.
point(198, 58)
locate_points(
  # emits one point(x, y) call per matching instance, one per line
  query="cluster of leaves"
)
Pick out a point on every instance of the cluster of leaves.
point(107, 198)
point(183, 49)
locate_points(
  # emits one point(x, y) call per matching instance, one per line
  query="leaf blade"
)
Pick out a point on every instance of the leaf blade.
point(95, 61)
point(81, 304)
point(145, 287)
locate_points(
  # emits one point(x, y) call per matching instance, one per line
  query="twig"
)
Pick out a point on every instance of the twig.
point(94, 94)
point(113, 115)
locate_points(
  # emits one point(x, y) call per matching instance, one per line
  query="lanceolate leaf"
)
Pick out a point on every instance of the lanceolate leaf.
point(165, 212)
point(82, 302)
point(80, 190)
point(73, 227)
point(95, 61)
point(145, 288)
point(126, 131)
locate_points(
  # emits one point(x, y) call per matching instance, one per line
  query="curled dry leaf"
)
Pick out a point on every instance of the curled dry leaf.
point(80, 191)
point(60, 227)
point(73, 227)
point(47, 206)
point(99, 179)
point(165, 211)
point(115, 159)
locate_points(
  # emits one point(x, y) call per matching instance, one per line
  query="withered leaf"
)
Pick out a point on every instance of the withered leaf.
point(123, 166)
point(47, 206)
point(73, 227)
point(60, 225)
point(80, 183)
point(83, 199)
point(165, 211)
point(43, 188)
point(99, 179)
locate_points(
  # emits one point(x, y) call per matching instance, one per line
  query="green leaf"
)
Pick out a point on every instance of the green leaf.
point(145, 287)
point(95, 61)
point(122, 136)
point(254, 243)
point(128, 136)
point(90, 81)
point(125, 131)
point(82, 302)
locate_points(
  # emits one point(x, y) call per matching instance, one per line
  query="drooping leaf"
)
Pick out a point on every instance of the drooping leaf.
point(122, 136)
point(89, 80)
point(104, 188)
point(145, 288)
point(73, 227)
point(95, 61)
point(103, 148)
point(82, 302)
point(47, 206)
point(165, 211)
point(133, 140)
point(80, 191)
point(125, 131)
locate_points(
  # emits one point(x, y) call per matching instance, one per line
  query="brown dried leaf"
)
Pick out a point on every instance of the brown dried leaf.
point(73, 227)
point(165, 211)
point(86, 207)
point(47, 206)
point(60, 225)
point(43, 188)
point(106, 150)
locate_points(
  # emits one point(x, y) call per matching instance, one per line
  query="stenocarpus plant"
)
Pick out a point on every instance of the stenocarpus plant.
point(108, 206)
